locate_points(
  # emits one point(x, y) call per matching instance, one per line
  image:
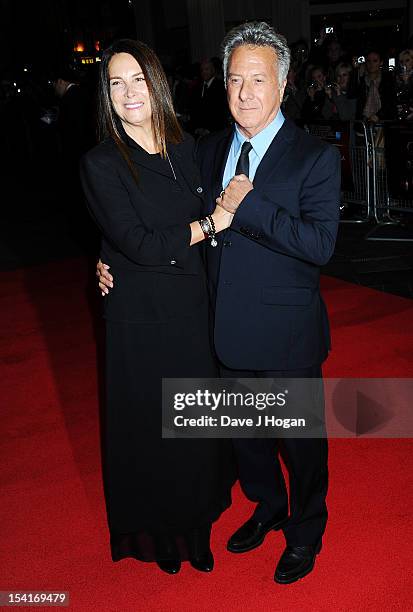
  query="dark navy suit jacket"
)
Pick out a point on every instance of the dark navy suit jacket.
point(265, 272)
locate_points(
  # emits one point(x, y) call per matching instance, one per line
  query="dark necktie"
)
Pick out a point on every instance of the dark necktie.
point(243, 164)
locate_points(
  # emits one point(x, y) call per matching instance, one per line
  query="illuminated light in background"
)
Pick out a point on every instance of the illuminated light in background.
point(15, 84)
point(79, 47)
point(97, 59)
point(97, 45)
point(25, 69)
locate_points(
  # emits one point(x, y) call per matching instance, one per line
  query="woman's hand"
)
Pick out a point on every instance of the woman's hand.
point(222, 218)
point(105, 279)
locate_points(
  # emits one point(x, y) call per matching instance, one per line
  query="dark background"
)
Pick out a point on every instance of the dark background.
point(37, 35)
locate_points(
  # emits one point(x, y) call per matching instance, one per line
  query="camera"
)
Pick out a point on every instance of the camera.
point(361, 59)
point(330, 85)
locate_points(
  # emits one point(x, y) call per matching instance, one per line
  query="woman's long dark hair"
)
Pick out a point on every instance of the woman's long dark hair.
point(165, 126)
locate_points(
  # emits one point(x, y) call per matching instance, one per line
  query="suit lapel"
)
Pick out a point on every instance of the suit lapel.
point(220, 160)
point(177, 160)
point(153, 162)
point(275, 152)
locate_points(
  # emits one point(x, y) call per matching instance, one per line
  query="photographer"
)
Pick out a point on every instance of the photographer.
point(342, 93)
point(293, 100)
point(376, 99)
point(404, 85)
point(318, 103)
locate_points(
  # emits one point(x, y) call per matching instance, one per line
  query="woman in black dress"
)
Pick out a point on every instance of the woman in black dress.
point(143, 190)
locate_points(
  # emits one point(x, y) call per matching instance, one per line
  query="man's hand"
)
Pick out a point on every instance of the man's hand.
point(234, 193)
point(105, 279)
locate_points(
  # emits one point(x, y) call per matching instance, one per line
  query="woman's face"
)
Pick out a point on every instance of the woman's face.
point(343, 77)
point(407, 61)
point(129, 92)
point(373, 63)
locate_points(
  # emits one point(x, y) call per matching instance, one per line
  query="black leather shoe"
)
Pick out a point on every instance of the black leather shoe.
point(252, 534)
point(295, 563)
point(203, 563)
point(170, 566)
point(166, 554)
point(200, 555)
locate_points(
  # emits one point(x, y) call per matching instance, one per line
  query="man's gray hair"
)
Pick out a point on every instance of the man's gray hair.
point(257, 34)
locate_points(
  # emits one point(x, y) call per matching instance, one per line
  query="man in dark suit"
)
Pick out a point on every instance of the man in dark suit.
point(75, 128)
point(270, 321)
point(209, 105)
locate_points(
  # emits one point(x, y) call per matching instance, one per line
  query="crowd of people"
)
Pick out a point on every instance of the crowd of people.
point(327, 82)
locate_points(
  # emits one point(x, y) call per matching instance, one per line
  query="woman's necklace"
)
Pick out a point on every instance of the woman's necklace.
point(170, 163)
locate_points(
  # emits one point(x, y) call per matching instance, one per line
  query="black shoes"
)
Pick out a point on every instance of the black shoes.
point(170, 566)
point(295, 563)
point(203, 563)
point(166, 554)
point(200, 555)
point(252, 534)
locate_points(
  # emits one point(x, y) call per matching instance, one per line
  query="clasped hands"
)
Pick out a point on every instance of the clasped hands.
point(229, 200)
point(233, 194)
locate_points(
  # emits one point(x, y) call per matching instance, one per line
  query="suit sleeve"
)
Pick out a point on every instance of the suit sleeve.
point(310, 236)
point(110, 205)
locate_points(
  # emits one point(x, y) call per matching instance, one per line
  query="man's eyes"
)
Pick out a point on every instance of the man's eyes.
point(236, 81)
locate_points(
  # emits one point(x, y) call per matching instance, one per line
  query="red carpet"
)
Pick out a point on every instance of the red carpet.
point(53, 529)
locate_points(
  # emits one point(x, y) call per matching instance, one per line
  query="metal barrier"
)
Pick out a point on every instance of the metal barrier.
point(392, 179)
point(376, 173)
point(352, 139)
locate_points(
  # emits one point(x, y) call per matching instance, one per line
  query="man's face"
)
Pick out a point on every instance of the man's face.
point(207, 70)
point(319, 77)
point(373, 62)
point(334, 51)
point(254, 95)
point(60, 87)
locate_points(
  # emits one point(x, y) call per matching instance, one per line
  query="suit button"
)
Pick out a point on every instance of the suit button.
point(227, 243)
point(199, 189)
point(173, 262)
